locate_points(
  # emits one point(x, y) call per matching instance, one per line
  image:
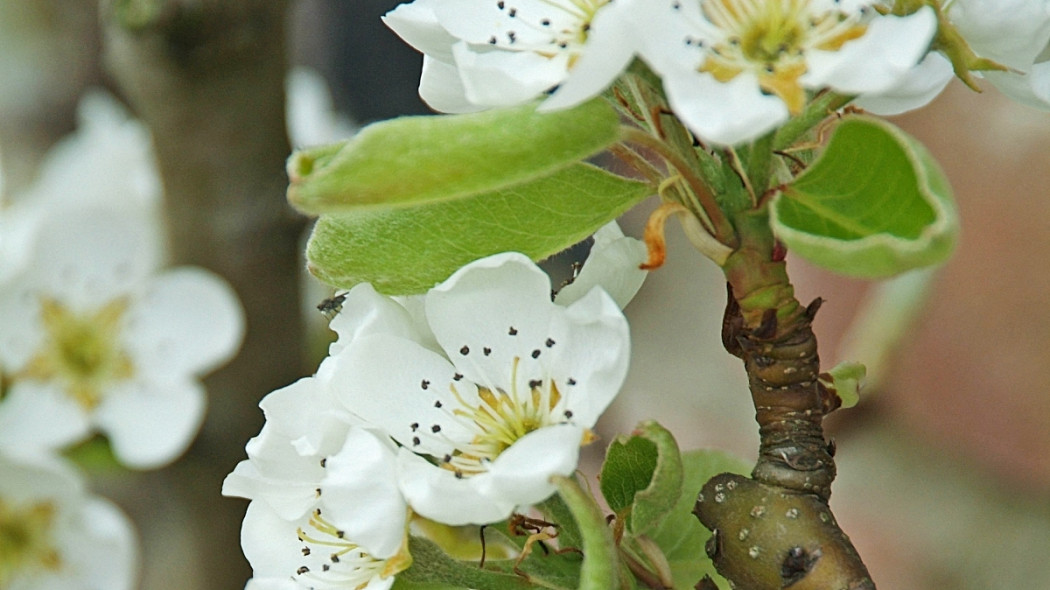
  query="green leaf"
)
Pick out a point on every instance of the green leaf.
point(409, 250)
point(846, 380)
point(874, 204)
point(433, 569)
point(680, 535)
point(641, 478)
point(412, 160)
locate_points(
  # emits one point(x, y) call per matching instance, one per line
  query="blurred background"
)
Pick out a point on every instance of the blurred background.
point(944, 467)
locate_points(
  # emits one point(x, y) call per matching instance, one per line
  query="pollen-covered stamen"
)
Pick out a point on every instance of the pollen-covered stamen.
point(26, 543)
point(81, 350)
point(770, 40)
point(564, 26)
point(330, 558)
point(502, 417)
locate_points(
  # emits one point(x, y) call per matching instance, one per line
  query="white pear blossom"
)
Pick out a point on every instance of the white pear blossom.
point(735, 69)
point(481, 54)
point(352, 533)
point(55, 536)
point(502, 403)
point(310, 114)
point(92, 337)
point(1014, 33)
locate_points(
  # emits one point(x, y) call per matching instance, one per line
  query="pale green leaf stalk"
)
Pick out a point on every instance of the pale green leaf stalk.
point(600, 569)
point(874, 204)
point(847, 379)
point(428, 159)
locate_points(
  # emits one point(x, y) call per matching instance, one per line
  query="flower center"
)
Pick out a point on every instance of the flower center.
point(82, 351)
point(332, 561)
point(25, 540)
point(770, 40)
point(500, 419)
point(564, 27)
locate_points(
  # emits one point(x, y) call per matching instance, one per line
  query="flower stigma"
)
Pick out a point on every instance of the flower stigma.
point(25, 540)
point(331, 559)
point(501, 419)
point(81, 351)
point(770, 39)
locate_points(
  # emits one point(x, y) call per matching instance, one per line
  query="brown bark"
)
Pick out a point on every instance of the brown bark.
point(207, 77)
point(776, 530)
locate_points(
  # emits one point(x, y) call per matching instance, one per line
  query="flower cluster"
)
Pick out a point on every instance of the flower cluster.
point(732, 69)
point(457, 405)
point(94, 337)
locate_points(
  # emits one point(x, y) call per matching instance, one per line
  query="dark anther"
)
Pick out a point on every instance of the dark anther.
point(306, 551)
point(549, 343)
point(415, 441)
point(813, 307)
point(797, 563)
point(302, 570)
point(536, 354)
point(534, 383)
point(424, 384)
point(457, 376)
point(335, 556)
point(568, 414)
point(465, 350)
point(435, 428)
point(324, 461)
point(437, 403)
point(486, 351)
point(571, 381)
point(513, 331)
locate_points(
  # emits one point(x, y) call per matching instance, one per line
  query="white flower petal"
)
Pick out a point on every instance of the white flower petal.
point(442, 89)
point(500, 78)
point(1030, 89)
point(723, 113)
point(876, 62)
point(611, 44)
point(150, 424)
point(365, 311)
point(418, 25)
point(187, 322)
point(500, 304)
point(360, 494)
point(311, 116)
point(921, 85)
point(281, 583)
point(269, 542)
point(36, 415)
point(439, 495)
point(594, 352)
point(277, 474)
point(613, 265)
point(1011, 32)
point(308, 414)
point(522, 473)
point(403, 389)
point(104, 552)
point(87, 257)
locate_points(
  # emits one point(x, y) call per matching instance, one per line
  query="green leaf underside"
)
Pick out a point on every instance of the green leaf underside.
point(628, 469)
point(413, 160)
point(409, 250)
point(873, 204)
point(680, 535)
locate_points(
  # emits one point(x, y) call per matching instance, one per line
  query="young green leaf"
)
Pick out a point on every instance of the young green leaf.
point(410, 249)
point(413, 160)
point(874, 204)
point(641, 478)
point(600, 568)
point(680, 535)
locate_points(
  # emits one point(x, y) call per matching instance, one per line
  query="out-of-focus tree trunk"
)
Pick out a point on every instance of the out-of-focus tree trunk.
point(207, 77)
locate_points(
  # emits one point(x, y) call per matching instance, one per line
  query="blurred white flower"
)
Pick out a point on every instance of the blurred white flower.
point(736, 69)
point(311, 117)
point(481, 54)
point(55, 536)
point(94, 338)
point(505, 400)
